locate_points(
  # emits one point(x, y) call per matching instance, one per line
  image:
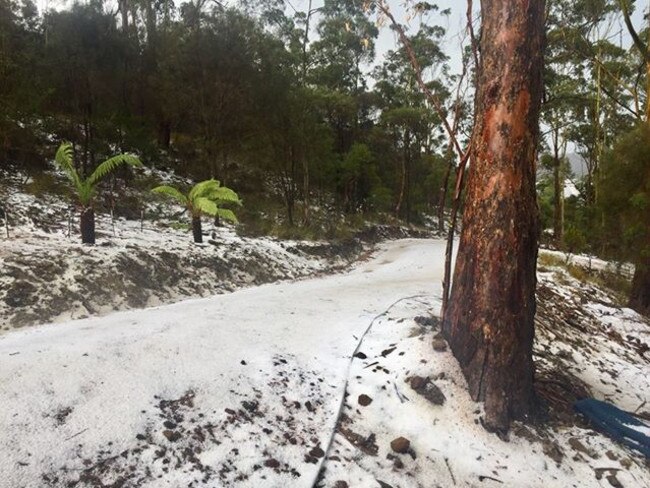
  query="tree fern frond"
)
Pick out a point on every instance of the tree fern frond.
point(63, 160)
point(226, 214)
point(172, 192)
point(111, 164)
point(203, 189)
point(85, 192)
point(225, 195)
point(205, 205)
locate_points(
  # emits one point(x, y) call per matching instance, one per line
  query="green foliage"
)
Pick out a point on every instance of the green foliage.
point(575, 240)
point(625, 196)
point(251, 94)
point(206, 197)
point(85, 188)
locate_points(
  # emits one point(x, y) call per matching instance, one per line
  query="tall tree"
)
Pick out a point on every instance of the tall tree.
point(490, 320)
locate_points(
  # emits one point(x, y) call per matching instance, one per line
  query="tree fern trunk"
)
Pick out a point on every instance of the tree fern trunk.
point(640, 294)
point(87, 225)
point(197, 230)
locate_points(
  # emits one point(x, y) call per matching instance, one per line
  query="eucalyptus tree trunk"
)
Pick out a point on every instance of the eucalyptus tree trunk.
point(489, 323)
point(87, 225)
point(197, 230)
point(558, 191)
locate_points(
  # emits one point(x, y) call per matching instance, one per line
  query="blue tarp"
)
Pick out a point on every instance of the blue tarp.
point(616, 423)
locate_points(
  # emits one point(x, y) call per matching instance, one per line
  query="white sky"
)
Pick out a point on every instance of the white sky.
point(455, 23)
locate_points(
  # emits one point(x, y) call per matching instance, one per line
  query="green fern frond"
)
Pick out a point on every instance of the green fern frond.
point(205, 206)
point(172, 192)
point(225, 195)
point(203, 189)
point(63, 160)
point(85, 192)
point(113, 163)
point(226, 214)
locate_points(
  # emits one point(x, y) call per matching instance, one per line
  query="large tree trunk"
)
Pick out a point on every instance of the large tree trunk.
point(640, 293)
point(489, 323)
point(87, 225)
point(197, 230)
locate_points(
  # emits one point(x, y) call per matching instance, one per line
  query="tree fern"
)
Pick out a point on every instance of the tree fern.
point(86, 188)
point(112, 164)
point(206, 198)
point(203, 205)
point(227, 214)
point(63, 160)
point(203, 189)
point(172, 192)
point(225, 195)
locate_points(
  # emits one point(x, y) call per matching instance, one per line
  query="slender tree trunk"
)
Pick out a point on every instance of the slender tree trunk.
point(197, 230)
point(640, 293)
point(558, 197)
point(402, 188)
point(124, 11)
point(489, 324)
point(87, 225)
point(443, 190)
point(164, 133)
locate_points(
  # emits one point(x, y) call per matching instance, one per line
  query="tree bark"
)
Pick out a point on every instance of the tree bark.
point(558, 204)
point(197, 230)
point(87, 225)
point(443, 190)
point(489, 324)
point(640, 293)
point(558, 191)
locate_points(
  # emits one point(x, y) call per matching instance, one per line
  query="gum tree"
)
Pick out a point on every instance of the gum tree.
point(490, 320)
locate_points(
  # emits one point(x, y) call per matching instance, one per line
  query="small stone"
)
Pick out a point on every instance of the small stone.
point(439, 344)
point(364, 400)
point(613, 480)
point(317, 452)
point(386, 352)
point(418, 382)
point(428, 389)
point(272, 463)
point(341, 484)
point(360, 355)
point(400, 445)
point(432, 393)
point(427, 321)
point(169, 424)
point(171, 435)
point(578, 446)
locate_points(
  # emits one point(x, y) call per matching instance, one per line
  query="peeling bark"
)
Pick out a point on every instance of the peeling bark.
point(489, 323)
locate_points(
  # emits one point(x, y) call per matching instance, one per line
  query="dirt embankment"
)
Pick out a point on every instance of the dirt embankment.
point(45, 278)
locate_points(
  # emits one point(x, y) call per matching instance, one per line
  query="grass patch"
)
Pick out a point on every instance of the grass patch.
point(617, 283)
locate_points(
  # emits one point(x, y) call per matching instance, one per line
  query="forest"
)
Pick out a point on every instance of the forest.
point(295, 108)
point(447, 204)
